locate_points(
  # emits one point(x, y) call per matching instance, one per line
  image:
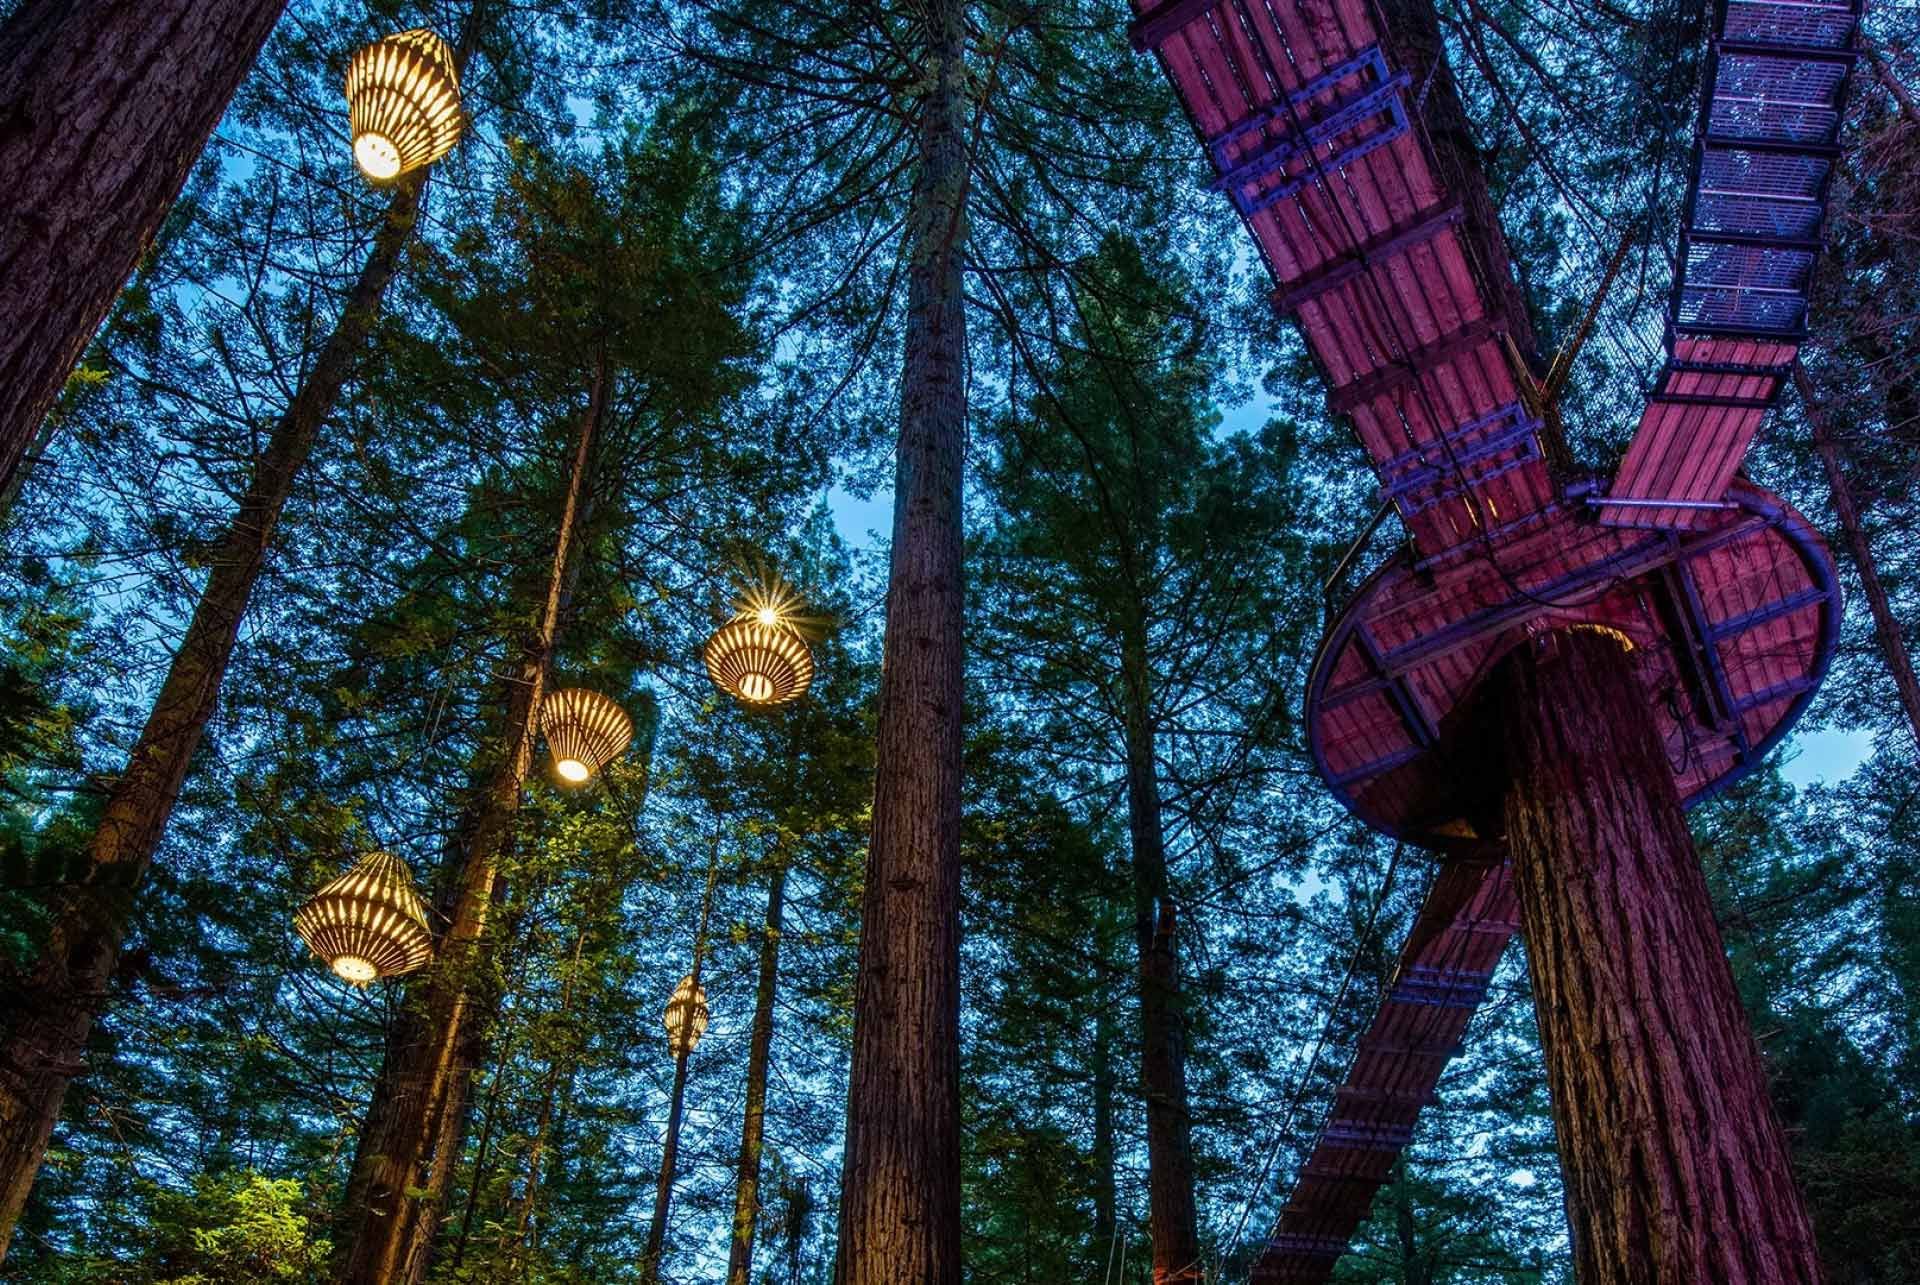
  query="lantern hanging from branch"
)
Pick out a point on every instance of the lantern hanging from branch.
point(584, 730)
point(759, 663)
point(686, 1016)
point(761, 656)
point(369, 923)
point(403, 100)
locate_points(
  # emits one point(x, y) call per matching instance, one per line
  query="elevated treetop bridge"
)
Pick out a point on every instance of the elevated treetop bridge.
point(1335, 130)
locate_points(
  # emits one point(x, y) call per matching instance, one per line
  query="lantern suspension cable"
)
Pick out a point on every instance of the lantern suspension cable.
point(369, 923)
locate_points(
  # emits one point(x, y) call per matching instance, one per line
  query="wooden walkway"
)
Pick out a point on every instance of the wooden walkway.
point(1775, 93)
point(1317, 136)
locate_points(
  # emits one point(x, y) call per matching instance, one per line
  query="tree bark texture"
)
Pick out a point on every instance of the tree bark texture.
point(1893, 644)
point(656, 1243)
point(46, 1015)
point(410, 1144)
point(1172, 1217)
point(105, 105)
point(1676, 1168)
point(900, 1197)
point(753, 1128)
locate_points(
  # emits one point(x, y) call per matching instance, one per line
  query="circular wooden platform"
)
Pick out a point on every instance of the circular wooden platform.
point(1734, 621)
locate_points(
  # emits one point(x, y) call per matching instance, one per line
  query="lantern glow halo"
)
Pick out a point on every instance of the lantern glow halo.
point(760, 656)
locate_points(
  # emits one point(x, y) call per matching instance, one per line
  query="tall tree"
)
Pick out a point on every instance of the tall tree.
point(922, 143)
point(105, 106)
point(409, 1145)
point(51, 1009)
point(753, 1124)
point(593, 267)
point(900, 1196)
point(1138, 610)
point(1676, 1165)
point(655, 1246)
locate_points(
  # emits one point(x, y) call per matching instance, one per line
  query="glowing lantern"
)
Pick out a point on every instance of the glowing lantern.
point(369, 923)
point(403, 99)
point(759, 659)
point(686, 1016)
point(585, 731)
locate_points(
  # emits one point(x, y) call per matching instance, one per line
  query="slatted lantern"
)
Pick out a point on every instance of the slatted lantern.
point(584, 730)
point(759, 658)
point(403, 100)
point(369, 923)
point(686, 1016)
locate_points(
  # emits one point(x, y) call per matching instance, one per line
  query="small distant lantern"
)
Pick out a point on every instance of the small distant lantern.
point(686, 1016)
point(759, 658)
point(369, 923)
point(403, 100)
point(585, 731)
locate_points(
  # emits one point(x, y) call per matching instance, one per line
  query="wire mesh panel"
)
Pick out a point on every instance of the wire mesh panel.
point(1791, 22)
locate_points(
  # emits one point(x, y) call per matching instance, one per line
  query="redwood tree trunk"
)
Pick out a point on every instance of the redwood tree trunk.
point(746, 1196)
point(1676, 1168)
point(46, 1015)
point(104, 107)
point(1163, 1028)
point(410, 1144)
point(656, 1245)
point(1893, 645)
point(900, 1198)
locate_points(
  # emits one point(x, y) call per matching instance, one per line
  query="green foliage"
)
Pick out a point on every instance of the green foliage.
point(702, 206)
point(236, 1228)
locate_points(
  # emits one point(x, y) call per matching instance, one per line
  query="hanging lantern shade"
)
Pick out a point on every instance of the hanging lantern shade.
point(584, 730)
point(758, 660)
point(403, 100)
point(369, 923)
point(686, 1016)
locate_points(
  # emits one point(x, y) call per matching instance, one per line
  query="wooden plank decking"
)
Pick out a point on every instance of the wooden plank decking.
point(1727, 595)
point(1318, 141)
point(1769, 128)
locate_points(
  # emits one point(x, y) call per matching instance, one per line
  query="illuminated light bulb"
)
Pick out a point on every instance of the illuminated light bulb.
point(369, 923)
point(376, 156)
point(584, 730)
point(758, 660)
point(403, 103)
point(352, 968)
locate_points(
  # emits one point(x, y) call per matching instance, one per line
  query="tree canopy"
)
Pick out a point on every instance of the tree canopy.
point(653, 313)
